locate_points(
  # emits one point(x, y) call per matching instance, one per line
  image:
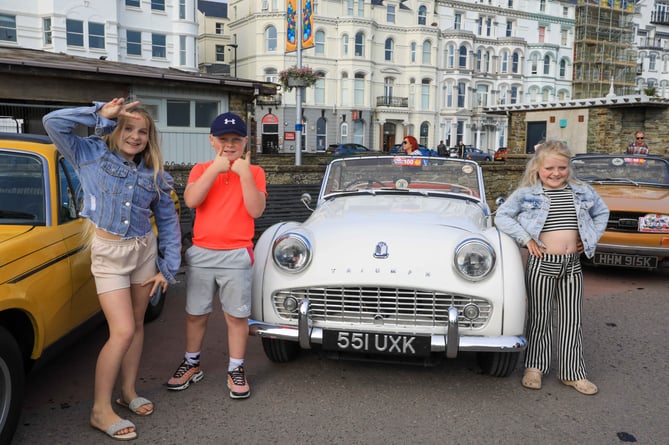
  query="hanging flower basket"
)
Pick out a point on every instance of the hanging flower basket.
point(297, 77)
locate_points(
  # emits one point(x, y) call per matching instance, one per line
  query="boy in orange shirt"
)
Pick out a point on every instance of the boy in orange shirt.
point(228, 193)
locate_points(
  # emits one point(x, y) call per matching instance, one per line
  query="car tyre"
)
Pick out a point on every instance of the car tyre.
point(12, 381)
point(498, 364)
point(155, 307)
point(280, 351)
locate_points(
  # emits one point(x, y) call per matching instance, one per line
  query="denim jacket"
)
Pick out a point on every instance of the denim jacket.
point(119, 196)
point(524, 214)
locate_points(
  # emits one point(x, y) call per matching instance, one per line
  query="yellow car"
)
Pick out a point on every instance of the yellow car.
point(636, 190)
point(46, 287)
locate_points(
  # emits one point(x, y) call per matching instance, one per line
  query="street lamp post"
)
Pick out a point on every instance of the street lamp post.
point(234, 46)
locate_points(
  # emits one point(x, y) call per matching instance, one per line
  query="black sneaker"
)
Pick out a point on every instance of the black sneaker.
point(184, 376)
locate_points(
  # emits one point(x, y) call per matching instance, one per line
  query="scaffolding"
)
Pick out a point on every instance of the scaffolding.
point(604, 52)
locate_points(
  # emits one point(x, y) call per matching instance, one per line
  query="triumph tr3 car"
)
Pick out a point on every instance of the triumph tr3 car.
point(636, 190)
point(398, 261)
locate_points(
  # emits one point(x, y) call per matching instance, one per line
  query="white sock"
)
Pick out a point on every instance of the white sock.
point(193, 358)
point(235, 363)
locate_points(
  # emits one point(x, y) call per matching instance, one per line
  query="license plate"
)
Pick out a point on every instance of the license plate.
point(376, 343)
point(618, 259)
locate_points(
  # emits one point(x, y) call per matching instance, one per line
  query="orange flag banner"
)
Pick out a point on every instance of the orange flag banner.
point(307, 24)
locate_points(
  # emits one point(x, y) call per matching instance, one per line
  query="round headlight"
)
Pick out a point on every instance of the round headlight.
point(291, 252)
point(474, 259)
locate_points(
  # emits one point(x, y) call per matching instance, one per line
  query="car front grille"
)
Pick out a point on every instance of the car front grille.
point(623, 222)
point(382, 306)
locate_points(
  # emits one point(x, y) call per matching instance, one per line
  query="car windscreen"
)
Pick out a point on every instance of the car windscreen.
point(622, 169)
point(403, 174)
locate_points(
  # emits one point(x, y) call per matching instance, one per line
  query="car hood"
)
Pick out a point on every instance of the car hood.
point(630, 198)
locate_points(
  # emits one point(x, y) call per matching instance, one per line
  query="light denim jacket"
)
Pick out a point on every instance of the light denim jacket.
point(524, 214)
point(119, 196)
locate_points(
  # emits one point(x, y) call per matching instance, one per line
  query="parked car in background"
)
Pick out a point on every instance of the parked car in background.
point(636, 190)
point(346, 149)
point(500, 154)
point(428, 278)
point(476, 154)
point(47, 292)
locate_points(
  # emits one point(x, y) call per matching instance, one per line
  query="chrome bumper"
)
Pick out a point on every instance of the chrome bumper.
point(450, 343)
point(633, 250)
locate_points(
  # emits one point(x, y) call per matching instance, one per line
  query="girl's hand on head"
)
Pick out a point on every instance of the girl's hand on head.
point(118, 107)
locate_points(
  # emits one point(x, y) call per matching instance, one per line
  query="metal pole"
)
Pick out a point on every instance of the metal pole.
point(298, 90)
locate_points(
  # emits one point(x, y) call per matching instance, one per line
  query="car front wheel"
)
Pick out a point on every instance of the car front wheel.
point(12, 380)
point(280, 351)
point(498, 364)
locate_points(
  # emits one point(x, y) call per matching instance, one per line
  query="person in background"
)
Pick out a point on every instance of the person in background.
point(557, 218)
point(228, 193)
point(639, 146)
point(461, 150)
point(124, 182)
point(410, 145)
point(442, 149)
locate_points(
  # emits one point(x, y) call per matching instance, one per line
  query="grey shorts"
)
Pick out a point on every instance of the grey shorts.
point(116, 264)
point(226, 272)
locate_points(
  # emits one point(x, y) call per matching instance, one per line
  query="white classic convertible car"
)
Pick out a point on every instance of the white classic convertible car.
point(399, 260)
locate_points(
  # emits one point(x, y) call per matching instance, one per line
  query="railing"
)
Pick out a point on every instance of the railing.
point(659, 17)
point(654, 43)
point(392, 101)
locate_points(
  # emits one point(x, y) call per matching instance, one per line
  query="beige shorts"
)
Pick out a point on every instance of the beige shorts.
point(116, 264)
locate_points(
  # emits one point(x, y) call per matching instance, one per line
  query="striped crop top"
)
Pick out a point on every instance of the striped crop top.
point(562, 213)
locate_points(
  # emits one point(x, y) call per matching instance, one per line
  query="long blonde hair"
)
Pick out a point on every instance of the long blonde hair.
point(541, 153)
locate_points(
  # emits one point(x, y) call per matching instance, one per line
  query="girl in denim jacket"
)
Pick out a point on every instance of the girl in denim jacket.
point(124, 183)
point(557, 218)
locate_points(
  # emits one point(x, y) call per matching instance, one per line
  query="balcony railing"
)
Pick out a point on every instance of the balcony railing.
point(650, 43)
point(659, 18)
point(392, 101)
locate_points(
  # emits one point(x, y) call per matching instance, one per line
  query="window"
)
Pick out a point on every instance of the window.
point(344, 89)
point(344, 45)
point(220, 53)
point(563, 68)
point(133, 3)
point(514, 95)
point(461, 94)
point(422, 15)
point(361, 8)
point(205, 113)
point(319, 90)
point(450, 56)
point(389, 50)
point(486, 62)
point(134, 43)
point(564, 34)
point(343, 131)
point(96, 35)
point(547, 64)
point(542, 5)
point(390, 14)
point(427, 52)
point(651, 62)
point(457, 21)
point(542, 34)
point(319, 42)
point(425, 94)
point(533, 63)
point(46, 30)
point(479, 57)
point(271, 75)
point(502, 95)
point(158, 46)
point(449, 95)
point(321, 133)
point(157, 5)
point(182, 51)
point(75, 32)
point(270, 39)
point(509, 28)
point(412, 52)
point(349, 7)
point(515, 62)
point(462, 59)
point(178, 113)
point(359, 129)
point(504, 67)
point(182, 9)
point(482, 95)
point(220, 27)
point(359, 89)
point(388, 86)
point(360, 44)
point(424, 133)
point(565, 11)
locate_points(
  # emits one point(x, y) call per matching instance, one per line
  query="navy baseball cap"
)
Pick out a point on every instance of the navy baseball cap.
point(228, 123)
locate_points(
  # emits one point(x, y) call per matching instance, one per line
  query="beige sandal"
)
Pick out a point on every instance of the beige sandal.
point(532, 378)
point(584, 386)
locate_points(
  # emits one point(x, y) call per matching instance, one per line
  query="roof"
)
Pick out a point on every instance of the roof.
point(11, 59)
point(213, 9)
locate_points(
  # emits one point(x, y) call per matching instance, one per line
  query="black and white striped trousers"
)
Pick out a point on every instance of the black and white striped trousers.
point(555, 282)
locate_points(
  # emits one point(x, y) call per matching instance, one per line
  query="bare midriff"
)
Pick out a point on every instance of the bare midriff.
point(560, 242)
point(106, 235)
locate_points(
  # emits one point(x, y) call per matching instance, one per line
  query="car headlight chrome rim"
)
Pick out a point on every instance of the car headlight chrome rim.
point(291, 252)
point(474, 259)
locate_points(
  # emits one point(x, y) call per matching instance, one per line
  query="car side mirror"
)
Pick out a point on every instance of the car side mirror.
point(499, 201)
point(306, 200)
